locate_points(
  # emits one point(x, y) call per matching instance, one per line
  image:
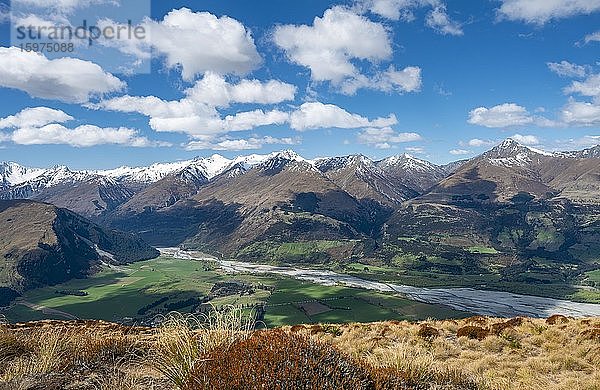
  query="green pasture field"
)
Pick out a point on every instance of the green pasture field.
point(118, 293)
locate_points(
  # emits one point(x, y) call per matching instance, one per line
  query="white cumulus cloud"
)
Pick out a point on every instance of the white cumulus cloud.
point(200, 41)
point(316, 115)
point(385, 138)
point(567, 69)
point(437, 18)
point(576, 113)
point(526, 139)
point(478, 143)
point(390, 80)
point(593, 37)
point(81, 136)
point(252, 143)
point(541, 11)
point(588, 87)
point(459, 152)
point(67, 79)
point(250, 119)
point(335, 46)
point(503, 115)
point(507, 115)
point(197, 113)
point(34, 117)
point(214, 90)
point(415, 149)
point(45, 126)
point(328, 47)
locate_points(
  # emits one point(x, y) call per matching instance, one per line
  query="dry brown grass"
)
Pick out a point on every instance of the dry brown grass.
point(52, 353)
point(514, 354)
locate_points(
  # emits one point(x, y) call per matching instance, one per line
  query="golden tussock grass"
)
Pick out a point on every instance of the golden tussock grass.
point(510, 354)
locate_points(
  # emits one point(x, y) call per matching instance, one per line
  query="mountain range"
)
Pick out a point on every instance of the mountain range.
point(513, 208)
point(500, 173)
point(94, 193)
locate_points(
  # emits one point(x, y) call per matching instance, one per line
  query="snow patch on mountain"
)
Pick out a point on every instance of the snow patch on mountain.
point(408, 163)
point(149, 174)
point(12, 174)
point(510, 153)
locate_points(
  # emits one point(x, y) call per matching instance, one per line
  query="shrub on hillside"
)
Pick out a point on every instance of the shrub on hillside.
point(502, 326)
point(476, 320)
point(275, 359)
point(473, 332)
point(278, 360)
point(427, 332)
point(557, 319)
point(591, 334)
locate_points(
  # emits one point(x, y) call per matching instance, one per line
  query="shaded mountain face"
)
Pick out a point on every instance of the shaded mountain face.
point(167, 191)
point(85, 193)
point(418, 175)
point(41, 244)
point(364, 179)
point(96, 194)
point(284, 197)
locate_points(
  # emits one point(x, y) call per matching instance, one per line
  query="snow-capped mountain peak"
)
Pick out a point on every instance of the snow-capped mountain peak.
point(147, 174)
point(279, 160)
point(354, 161)
point(12, 174)
point(593, 152)
point(407, 163)
point(510, 148)
point(209, 167)
point(512, 153)
point(403, 167)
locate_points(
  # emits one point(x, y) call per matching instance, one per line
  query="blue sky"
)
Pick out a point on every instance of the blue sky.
point(442, 80)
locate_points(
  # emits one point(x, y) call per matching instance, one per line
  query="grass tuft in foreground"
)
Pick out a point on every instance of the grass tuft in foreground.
point(182, 340)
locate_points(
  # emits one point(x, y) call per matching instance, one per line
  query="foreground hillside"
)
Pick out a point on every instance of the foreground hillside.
point(41, 244)
point(474, 353)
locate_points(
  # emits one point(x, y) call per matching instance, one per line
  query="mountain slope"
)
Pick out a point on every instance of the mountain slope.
point(514, 212)
point(95, 193)
point(286, 198)
point(418, 175)
point(281, 198)
point(12, 174)
point(85, 193)
point(511, 168)
point(41, 244)
point(167, 191)
point(363, 179)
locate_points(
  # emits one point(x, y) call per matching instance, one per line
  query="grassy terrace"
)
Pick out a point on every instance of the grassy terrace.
point(121, 292)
